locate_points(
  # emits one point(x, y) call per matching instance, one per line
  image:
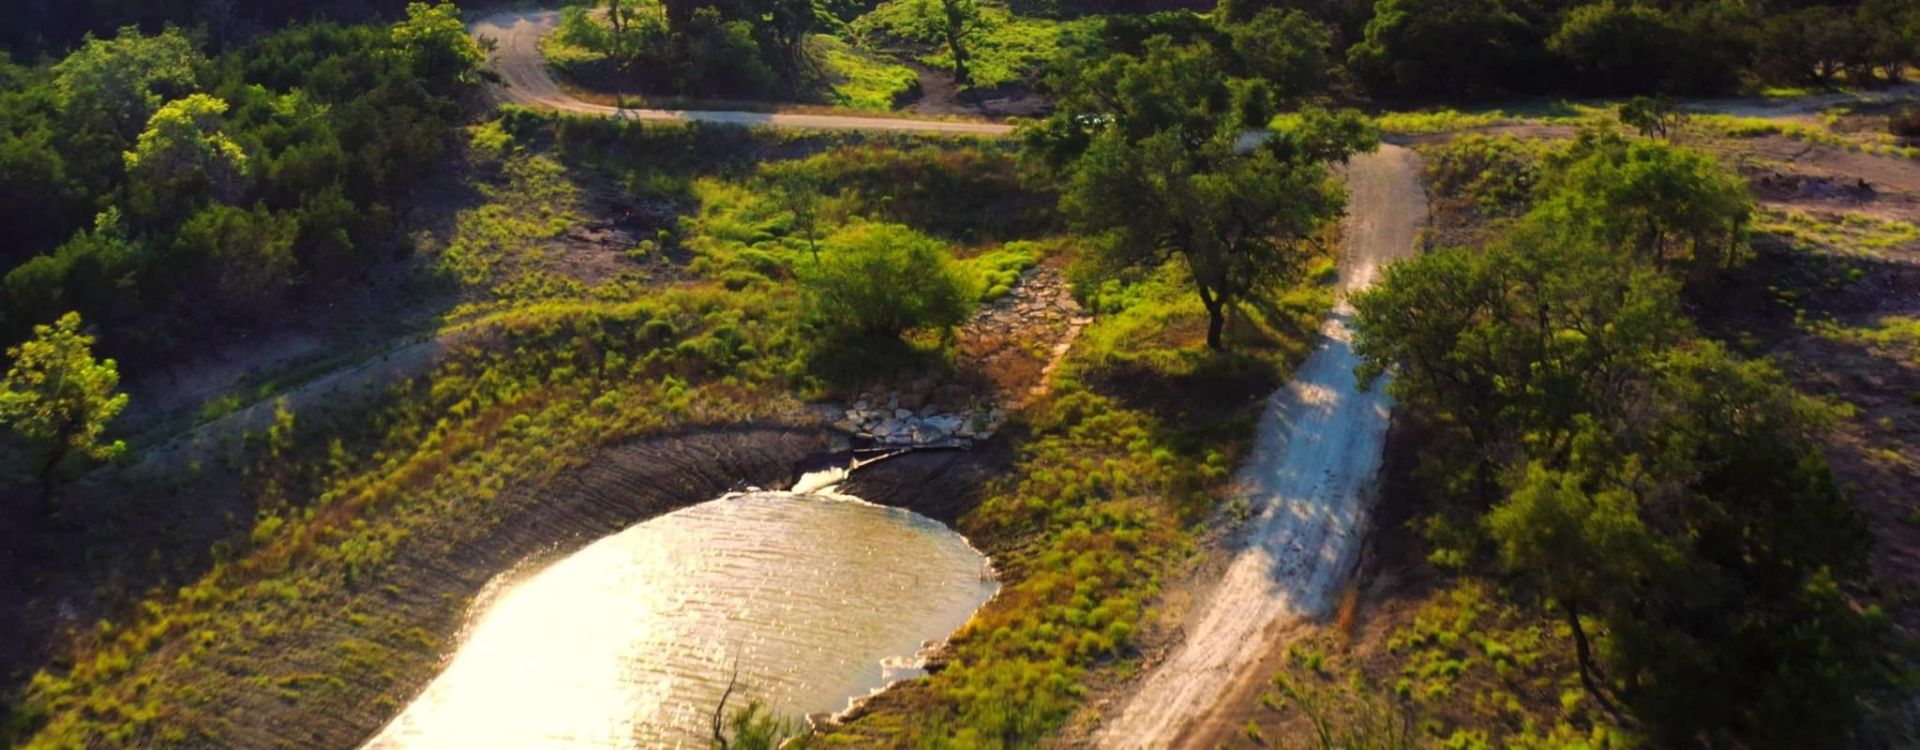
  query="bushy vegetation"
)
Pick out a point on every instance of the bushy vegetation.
point(688, 47)
point(1608, 459)
point(1819, 133)
point(1895, 334)
point(178, 194)
point(1429, 48)
point(1845, 234)
point(1500, 174)
point(1467, 668)
point(877, 281)
point(985, 44)
point(862, 80)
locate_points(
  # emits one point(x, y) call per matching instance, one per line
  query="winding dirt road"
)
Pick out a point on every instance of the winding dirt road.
point(517, 58)
point(1310, 480)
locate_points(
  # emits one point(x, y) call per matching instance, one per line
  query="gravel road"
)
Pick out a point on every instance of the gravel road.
point(1310, 481)
point(517, 59)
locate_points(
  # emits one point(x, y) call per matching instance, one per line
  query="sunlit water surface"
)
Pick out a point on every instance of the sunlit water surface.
point(630, 641)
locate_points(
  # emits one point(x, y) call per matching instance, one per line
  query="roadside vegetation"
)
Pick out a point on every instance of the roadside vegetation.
point(1605, 456)
point(1396, 52)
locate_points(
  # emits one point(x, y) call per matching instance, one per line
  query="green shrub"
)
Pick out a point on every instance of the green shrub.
point(1498, 173)
point(860, 80)
point(996, 272)
point(1905, 123)
point(876, 281)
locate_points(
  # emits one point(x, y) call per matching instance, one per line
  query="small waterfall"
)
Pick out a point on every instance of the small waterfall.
point(820, 482)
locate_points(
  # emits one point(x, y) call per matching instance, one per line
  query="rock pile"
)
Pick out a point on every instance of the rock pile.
point(1025, 333)
point(1040, 303)
point(920, 414)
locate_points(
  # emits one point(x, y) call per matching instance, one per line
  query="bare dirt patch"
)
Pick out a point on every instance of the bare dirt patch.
point(1799, 309)
point(1791, 172)
point(940, 94)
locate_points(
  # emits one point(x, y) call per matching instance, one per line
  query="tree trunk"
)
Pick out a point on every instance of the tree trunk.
point(48, 470)
point(1216, 305)
point(613, 15)
point(1583, 654)
point(956, 29)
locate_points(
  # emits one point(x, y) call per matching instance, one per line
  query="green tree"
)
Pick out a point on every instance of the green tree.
point(1811, 45)
point(721, 56)
point(578, 28)
point(783, 35)
point(1165, 171)
point(1459, 47)
point(1637, 478)
point(1892, 28)
point(92, 272)
point(183, 155)
point(1286, 48)
point(115, 85)
point(1652, 116)
point(1673, 206)
point(954, 24)
point(58, 395)
point(1631, 49)
point(958, 20)
point(1585, 548)
point(233, 261)
point(1504, 346)
point(876, 281)
point(1752, 640)
point(436, 44)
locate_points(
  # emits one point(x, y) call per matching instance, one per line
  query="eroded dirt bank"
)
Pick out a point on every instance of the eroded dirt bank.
point(941, 485)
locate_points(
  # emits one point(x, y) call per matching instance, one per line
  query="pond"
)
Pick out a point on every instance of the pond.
point(629, 642)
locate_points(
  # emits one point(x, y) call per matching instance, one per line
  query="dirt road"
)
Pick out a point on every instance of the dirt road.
point(517, 58)
point(1309, 479)
point(1800, 107)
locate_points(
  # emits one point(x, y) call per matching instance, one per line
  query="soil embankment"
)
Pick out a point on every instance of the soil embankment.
point(940, 484)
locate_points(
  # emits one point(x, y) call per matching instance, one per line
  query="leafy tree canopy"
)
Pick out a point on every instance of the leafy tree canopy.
point(437, 44)
point(1671, 205)
point(183, 153)
point(1158, 162)
point(57, 394)
point(116, 84)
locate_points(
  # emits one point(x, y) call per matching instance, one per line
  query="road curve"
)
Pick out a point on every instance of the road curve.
point(522, 68)
point(1310, 480)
